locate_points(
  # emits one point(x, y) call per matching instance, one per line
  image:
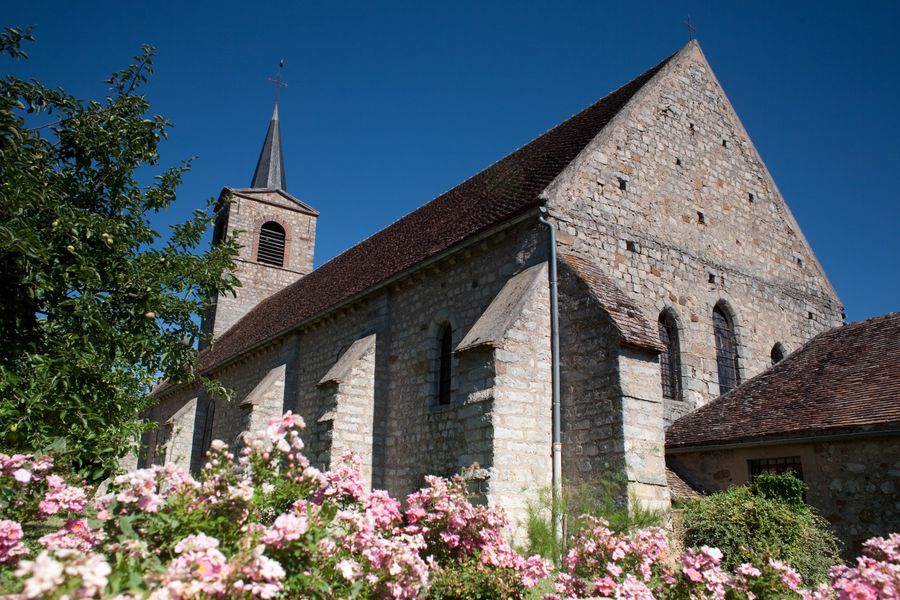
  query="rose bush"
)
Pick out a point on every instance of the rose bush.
point(262, 524)
point(266, 524)
point(605, 564)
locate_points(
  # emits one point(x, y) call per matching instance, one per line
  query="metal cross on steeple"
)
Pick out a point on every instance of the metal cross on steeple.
point(269, 173)
point(276, 80)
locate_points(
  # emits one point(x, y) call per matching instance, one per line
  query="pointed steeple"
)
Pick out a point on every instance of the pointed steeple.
point(270, 166)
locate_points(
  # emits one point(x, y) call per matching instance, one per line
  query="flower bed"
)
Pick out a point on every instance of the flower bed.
point(266, 524)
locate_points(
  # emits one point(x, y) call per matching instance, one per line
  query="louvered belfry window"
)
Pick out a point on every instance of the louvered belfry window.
point(271, 244)
point(444, 372)
point(726, 351)
point(669, 359)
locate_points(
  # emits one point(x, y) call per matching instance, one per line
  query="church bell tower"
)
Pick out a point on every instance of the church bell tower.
point(276, 231)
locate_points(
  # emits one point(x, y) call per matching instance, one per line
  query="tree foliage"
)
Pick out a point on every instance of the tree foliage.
point(94, 304)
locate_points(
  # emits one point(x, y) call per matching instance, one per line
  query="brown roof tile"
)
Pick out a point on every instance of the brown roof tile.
point(843, 380)
point(629, 320)
point(679, 488)
point(506, 189)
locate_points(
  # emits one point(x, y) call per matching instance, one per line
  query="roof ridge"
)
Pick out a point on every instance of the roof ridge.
point(497, 194)
point(505, 156)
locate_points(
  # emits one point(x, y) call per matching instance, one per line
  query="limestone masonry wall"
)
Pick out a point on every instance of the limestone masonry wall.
point(853, 482)
point(248, 211)
point(392, 391)
point(350, 411)
point(226, 420)
point(671, 201)
point(173, 439)
point(521, 418)
point(674, 200)
point(591, 428)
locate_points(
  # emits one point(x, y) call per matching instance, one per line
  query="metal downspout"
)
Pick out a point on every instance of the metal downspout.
point(554, 360)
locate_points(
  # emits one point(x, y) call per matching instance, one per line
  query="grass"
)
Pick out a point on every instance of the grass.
point(601, 498)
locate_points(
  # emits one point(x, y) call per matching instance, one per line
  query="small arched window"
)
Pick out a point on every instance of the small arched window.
point(726, 351)
point(777, 353)
point(444, 365)
point(271, 244)
point(670, 358)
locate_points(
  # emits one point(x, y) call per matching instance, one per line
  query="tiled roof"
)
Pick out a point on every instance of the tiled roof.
point(501, 192)
point(843, 380)
point(633, 327)
point(679, 488)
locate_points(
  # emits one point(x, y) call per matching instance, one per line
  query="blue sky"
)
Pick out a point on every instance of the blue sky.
point(391, 103)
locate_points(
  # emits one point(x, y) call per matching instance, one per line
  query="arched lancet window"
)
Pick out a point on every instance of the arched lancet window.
point(777, 353)
point(726, 351)
point(444, 366)
point(670, 358)
point(221, 225)
point(271, 244)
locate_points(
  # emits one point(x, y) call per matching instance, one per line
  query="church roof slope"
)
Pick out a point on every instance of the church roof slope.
point(845, 380)
point(503, 191)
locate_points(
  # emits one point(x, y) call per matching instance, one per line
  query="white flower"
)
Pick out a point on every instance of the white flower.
point(45, 575)
point(349, 569)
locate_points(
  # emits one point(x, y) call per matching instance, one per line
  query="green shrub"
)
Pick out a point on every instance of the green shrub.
point(784, 487)
point(755, 522)
point(473, 579)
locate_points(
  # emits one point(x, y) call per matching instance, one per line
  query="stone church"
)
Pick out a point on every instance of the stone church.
point(427, 346)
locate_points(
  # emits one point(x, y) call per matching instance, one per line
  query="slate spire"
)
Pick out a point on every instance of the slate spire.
point(270, 166)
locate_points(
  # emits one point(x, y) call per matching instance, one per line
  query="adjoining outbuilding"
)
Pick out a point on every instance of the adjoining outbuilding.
point(829, 412)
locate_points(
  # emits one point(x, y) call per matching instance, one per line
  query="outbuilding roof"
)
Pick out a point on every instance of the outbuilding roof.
point(846, 380)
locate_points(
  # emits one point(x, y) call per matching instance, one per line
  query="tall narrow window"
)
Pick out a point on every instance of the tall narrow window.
point(777, 353)
point(444, 371)
point(726, 351)
point(271, 244)
point(221, 225)
point(669, 359)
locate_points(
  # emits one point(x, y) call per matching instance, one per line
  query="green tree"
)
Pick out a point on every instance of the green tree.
point(94, 304)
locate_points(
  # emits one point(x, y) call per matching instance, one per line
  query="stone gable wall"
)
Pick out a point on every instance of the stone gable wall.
point(674, 200)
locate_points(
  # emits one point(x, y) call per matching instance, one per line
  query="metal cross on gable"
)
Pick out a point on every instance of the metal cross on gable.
point(276, 80)
point(692, 30)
